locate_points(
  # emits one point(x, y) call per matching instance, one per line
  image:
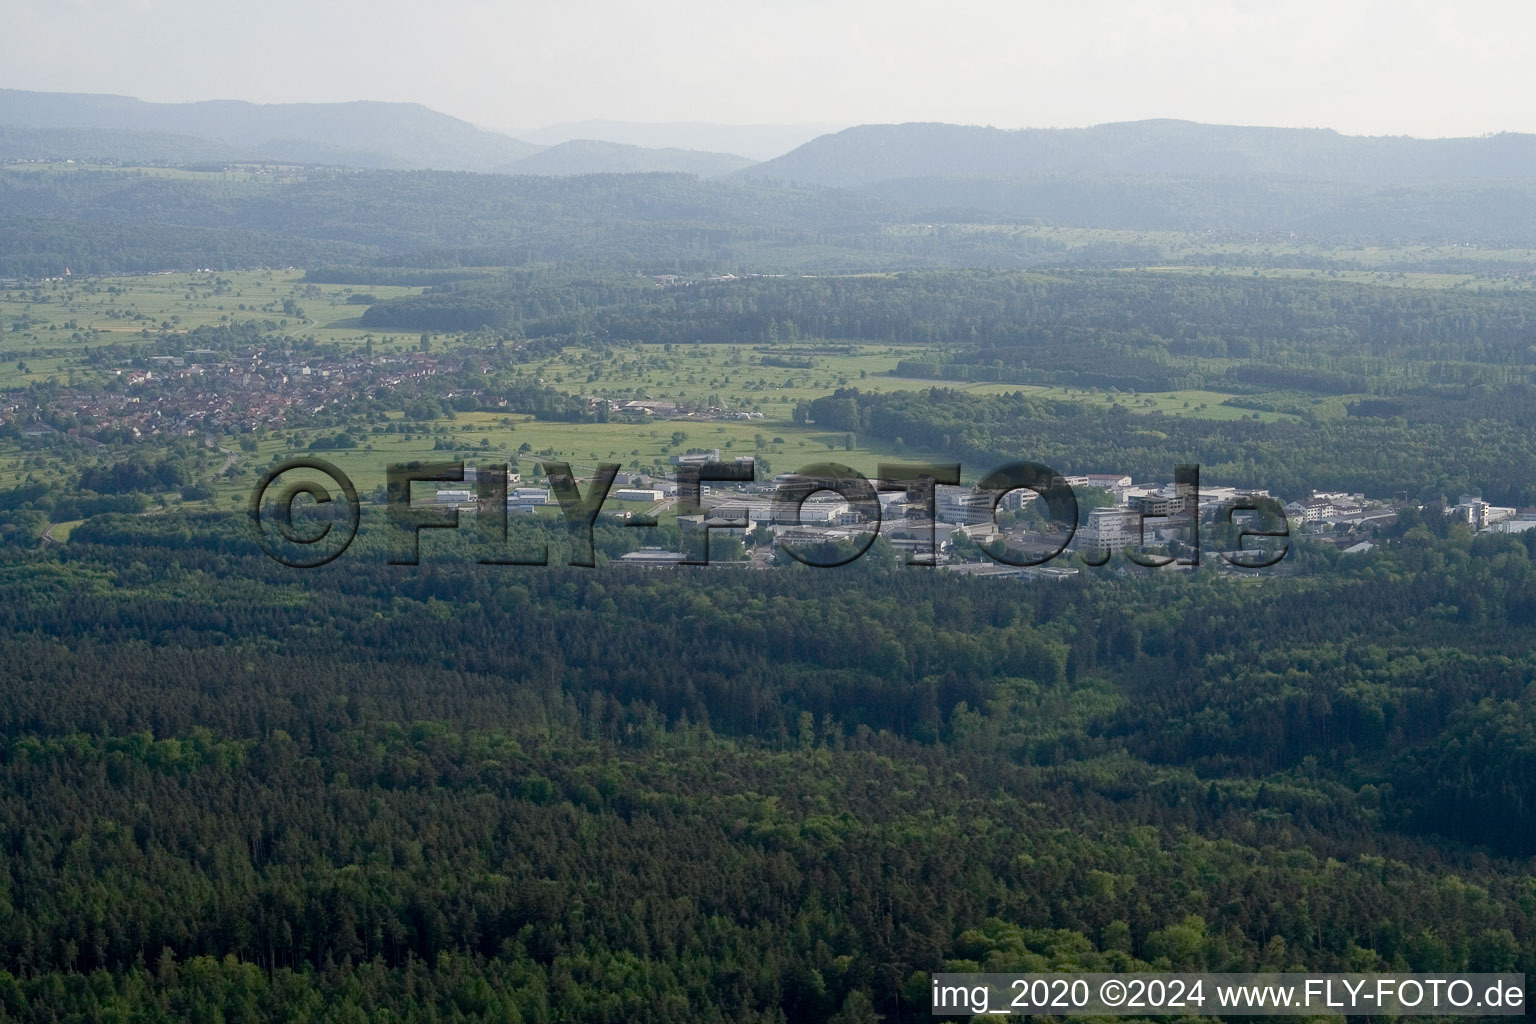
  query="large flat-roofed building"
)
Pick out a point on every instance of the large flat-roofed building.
point(718, 518)
point(1110, 529)
point(1155, 504)
point(526, 499)
point(918, 537)
point(802, 535)
point(814, 511)
point(954, 505)
point(651, 557)
point(698, 458)
point(1117, 483)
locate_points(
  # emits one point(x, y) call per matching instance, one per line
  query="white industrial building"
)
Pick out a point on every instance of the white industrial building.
point(958, 505)
point(637, 494)
point(526, 499)
point(1108, 530)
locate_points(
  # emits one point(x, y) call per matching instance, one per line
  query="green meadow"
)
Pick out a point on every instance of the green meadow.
point(48, 326)
point(492, 437)
point(695, 374)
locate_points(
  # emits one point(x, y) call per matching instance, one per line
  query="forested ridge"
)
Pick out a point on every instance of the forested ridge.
point(1143, 331)
point(1156, 148)
point(232, 216)
point(459, 792)
point(660, 222)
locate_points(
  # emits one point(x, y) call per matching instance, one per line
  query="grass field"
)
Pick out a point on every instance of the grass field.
point(61, 531)
point(492, 437)
point(47, 327)
point(734, 374)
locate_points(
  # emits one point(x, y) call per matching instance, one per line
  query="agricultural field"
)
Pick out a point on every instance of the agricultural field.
point(50, 325)
point(736, 376)
point(491, 437)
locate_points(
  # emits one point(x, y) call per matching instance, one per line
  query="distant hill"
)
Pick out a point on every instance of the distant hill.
point(591, 201)
point(97, 145)
point(758, 141)
point(362, 134)
point(589, 156)
point(876, 153)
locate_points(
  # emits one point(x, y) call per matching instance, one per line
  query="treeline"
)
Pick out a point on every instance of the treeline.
point(544, 301)
point(661, 222)
point(543, 403)
point(135, 475)
point(39, 247)
point(1130, 331)
point(439, 312)
point(675, 223)
point(1246, 206)
point(102, 221)
point(414, 277)
point(25, 511)
point(1219, 316)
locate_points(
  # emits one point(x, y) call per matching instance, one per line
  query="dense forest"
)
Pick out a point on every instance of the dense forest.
point(460, 792)
point(662, 222)
point(126, 220)
point(46, 247)
point(1128, 330)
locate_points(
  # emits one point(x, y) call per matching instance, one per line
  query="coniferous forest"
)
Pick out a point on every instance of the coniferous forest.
point(471, 792)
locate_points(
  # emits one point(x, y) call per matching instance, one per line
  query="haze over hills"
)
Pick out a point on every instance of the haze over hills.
point(876, 153)
point(362, 134)
point(927, 165)
point(589, 156)
point(862, 198)
point(378, 136)
point(757, 141)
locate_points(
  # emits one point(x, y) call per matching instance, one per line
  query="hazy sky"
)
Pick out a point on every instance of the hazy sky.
point(1455, 67)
